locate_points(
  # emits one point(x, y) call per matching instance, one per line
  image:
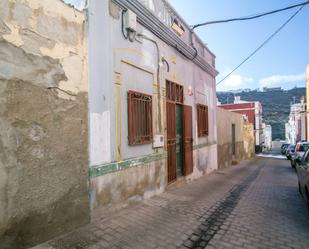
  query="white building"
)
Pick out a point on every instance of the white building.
point(295, 128)
point(267, 136)
point(152, 101)
point(288, 132)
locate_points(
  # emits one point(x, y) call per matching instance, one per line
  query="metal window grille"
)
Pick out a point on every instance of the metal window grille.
point(202, 120)
point(174, 92)
point(140, 118)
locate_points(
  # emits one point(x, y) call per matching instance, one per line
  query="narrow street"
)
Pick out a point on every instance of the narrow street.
point(252, 205)
point(133, 124)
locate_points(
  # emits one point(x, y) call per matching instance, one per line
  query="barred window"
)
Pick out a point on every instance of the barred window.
point(202, 120)
point(174, 92)
point(140, 118)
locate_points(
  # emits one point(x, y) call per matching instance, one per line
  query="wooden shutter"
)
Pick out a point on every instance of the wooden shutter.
point(202, 120)
point(171, 140)
point(207, 121)
point(187, 140)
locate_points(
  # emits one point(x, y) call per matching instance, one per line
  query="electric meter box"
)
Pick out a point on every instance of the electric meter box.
point(158, 141)
point(129, 21)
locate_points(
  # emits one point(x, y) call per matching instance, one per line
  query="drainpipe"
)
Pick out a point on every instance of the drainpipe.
point(158, 75)
point(192, 45)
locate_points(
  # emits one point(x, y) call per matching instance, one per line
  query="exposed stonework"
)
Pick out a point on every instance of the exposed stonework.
point(43, 121)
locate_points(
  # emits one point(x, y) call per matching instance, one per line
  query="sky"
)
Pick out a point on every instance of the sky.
point(79, 4)
point(281, 62)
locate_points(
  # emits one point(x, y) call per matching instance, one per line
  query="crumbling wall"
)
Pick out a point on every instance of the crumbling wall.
point(43, 121)
point(243, 144)
point(248, 134)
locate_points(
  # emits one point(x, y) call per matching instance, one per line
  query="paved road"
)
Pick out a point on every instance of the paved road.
point(252, 205)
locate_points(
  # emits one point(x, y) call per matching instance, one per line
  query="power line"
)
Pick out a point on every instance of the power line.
point(250, 17)
point(263, 44)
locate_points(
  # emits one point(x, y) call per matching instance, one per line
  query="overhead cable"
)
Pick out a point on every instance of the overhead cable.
point(250, 17)
point(262, 45)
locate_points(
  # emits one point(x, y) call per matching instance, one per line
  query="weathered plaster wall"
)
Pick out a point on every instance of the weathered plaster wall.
point(43, 121)
point(115, 190)
point(248, 135)
point(204, 161)
point(243, 146)
point(118, 65)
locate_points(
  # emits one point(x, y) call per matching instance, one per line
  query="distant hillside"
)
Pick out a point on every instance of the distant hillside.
point(276, 105)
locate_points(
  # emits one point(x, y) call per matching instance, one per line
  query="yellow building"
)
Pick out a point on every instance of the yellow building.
point(307, 98)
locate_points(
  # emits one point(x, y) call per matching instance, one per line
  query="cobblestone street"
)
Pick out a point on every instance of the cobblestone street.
point(252, 205)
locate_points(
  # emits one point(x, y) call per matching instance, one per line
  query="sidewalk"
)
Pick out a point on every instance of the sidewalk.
point(165, 221)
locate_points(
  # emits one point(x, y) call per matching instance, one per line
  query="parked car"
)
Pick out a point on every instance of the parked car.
point(299, 151)
point(289, 151)
point(302, 169)
point(283, 148)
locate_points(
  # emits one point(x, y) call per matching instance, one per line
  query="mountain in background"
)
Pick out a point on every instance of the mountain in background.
point(275, 103)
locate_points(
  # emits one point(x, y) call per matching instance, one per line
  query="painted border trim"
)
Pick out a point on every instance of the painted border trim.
point(103, 169)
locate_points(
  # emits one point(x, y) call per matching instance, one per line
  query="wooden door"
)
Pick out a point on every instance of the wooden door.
point(179, 141)
point(187, 140)
point(171, 141)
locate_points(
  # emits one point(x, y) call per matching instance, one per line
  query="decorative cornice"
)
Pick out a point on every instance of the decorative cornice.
point(147, 18)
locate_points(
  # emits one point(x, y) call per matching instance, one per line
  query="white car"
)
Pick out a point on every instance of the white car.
point(300, 149)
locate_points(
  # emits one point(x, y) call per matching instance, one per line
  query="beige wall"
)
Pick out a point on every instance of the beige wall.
point(243, 134)
point(43, 121)
point(248, 137)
